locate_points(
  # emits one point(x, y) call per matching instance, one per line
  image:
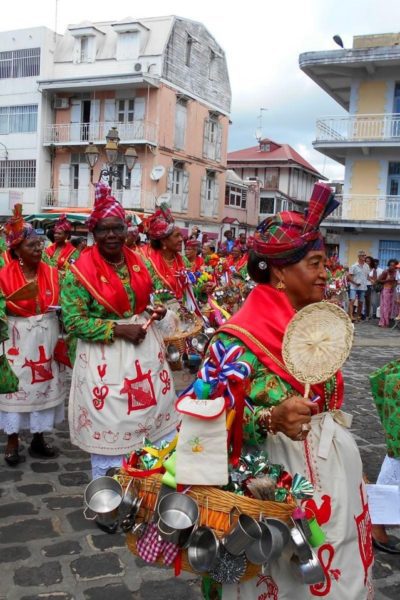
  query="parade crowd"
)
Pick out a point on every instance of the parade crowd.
point(106, 310)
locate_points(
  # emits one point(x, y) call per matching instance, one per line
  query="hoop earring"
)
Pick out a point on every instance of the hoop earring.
point(280, 286)
point(21, 262)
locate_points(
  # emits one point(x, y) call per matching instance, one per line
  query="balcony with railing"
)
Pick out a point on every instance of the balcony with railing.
point(137, 132)
point(356, 130)
point(66, 197)
point(360, 208)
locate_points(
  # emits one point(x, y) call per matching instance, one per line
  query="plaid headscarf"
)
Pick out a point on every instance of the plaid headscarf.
point(62, 224)
point(105, 206)
point(16, 229)
point(286, 237)
point(161, 224)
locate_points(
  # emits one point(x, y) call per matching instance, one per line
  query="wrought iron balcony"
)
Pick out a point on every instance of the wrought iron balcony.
point(358, 129)
point(137, 132)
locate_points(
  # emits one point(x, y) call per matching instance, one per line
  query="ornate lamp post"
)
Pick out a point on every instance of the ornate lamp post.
point(92, 155)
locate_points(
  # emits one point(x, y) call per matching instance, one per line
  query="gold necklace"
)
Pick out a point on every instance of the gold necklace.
point(115, 265)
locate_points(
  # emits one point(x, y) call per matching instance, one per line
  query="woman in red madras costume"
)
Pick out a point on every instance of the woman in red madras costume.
point(192, 247)
point(33, 333)
point(122, 390)
point(62, 252)
point(288, 262)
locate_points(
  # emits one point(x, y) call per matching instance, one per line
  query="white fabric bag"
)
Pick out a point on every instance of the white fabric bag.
point(201, 452)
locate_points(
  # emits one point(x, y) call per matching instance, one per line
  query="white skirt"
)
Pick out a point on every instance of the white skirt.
point(38, 421)
point(330, 459)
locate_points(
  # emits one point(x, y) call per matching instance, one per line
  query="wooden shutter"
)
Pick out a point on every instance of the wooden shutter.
point(185, 194)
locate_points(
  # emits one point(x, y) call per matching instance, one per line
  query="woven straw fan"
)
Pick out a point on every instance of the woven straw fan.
point(316, 343)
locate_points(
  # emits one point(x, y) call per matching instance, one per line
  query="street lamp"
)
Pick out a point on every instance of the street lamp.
point(92, 155)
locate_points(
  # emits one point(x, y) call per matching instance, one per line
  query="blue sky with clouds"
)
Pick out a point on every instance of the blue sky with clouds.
point(262, 40)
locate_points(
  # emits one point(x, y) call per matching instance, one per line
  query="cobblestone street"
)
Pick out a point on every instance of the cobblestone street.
point(48, 550)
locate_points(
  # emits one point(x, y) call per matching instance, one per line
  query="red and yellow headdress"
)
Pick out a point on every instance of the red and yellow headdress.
point(16, 229)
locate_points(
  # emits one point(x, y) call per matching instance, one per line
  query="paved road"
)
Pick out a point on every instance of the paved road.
point(48, 550)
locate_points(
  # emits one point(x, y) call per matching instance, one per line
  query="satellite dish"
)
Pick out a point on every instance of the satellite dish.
point(157, 172)
point(163, 198)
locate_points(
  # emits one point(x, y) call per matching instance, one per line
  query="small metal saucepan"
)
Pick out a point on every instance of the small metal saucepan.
point(203, 550)
point(280, 536)
point(172, 353)
point(259, 551)
point(241, 535)
point(302, 548)
point(178, 516)
point(309, 572)
point(103, 497)
point(200, 342)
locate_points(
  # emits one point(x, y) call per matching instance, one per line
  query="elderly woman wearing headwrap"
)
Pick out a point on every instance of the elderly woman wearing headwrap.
point(62, 252)
point(29, 289)
point(122, 389)
point(288, 262)
point(167, 267)
point(192, 248)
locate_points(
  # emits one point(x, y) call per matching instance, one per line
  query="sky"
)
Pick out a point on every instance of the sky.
point(262, 40)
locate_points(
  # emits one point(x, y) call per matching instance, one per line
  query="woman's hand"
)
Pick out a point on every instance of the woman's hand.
point(129, 332)
point(292, 417)
point(158, 312)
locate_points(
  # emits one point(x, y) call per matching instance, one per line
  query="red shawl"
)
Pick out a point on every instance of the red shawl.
point(172, 276)
point(12, 279)
point(261, 325)
point(64, 255)
point(103, 283)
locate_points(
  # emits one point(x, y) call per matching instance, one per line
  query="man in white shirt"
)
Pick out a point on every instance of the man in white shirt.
point(358, 279)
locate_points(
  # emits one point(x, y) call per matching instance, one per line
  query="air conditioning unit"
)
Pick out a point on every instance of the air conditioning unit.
point(61, 103)
point(138, 67)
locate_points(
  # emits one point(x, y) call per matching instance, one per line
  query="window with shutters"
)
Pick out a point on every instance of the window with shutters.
point(180, 124)
point(209, 195)
point(212, 139)
point(128, 45)
point(178, 186)
point(17, 173)
point(126, 110)
point(18, 119)
point(20, 63)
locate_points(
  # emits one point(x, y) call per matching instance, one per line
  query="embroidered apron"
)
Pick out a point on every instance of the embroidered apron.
point(121, 394)
point(29, 349)
point(331, 460)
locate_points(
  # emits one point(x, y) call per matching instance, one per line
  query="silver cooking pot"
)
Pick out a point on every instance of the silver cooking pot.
point(103, 497)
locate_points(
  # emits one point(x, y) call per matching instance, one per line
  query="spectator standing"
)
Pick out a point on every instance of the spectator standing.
point(388, 279)
point(358, 279)
point(226, 247)
point(374, 274)
point(367, 305)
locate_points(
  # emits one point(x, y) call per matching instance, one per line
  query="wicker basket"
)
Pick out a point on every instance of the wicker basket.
point(180, 339)
point(215, 508)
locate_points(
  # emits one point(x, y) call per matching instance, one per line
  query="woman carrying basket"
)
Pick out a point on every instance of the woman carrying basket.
point(305, 435)
point(122, 390)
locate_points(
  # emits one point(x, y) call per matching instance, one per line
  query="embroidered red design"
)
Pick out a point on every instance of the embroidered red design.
point(40, 369)
point(364, 531)
point(144, 429)
point(102, 369)
point(140, 390)
point(161, 357)
point(110, 437)
point(100, 394)
point(322, 512)
point(14, 350)
point(166, 380)
point(83, 419)
point(97, 435)
point(326, 554)
point(272, 588)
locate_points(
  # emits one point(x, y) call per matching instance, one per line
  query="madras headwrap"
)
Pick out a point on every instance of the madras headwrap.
point(105, 206)
point(161, 224)
point(16, 229)
point(192, 243)
point(62, 224)
point(286, 237)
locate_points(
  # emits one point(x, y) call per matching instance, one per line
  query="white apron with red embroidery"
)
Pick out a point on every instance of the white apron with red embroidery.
point(29, 350)
point(330, 459)
point(121, 394)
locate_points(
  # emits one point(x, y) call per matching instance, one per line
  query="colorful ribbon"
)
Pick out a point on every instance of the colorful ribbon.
point(222, 368)
point(301, 487)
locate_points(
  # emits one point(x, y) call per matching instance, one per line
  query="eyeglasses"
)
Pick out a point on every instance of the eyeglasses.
point(103, 232)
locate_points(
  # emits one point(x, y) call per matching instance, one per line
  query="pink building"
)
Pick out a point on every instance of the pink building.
point(163, 83)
